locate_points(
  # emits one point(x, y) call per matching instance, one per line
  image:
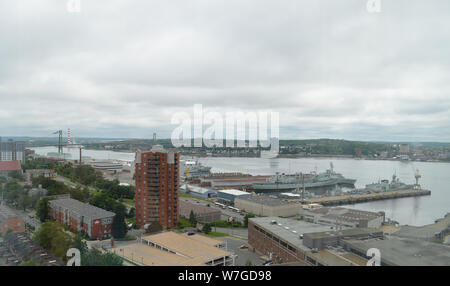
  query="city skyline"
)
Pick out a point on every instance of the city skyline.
point(331, 70)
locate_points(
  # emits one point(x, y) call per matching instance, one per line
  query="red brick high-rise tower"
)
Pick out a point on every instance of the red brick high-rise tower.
point(157, 187)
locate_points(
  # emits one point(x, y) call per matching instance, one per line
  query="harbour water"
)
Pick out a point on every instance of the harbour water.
point(412, 211)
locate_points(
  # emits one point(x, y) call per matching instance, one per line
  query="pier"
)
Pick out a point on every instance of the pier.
point(362, 198)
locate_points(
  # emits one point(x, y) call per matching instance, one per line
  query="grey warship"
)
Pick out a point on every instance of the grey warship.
point(326, 180)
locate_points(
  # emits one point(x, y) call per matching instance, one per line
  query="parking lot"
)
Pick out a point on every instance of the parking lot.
point(234, 244)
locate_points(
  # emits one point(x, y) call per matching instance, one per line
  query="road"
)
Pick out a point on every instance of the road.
point(243, 255)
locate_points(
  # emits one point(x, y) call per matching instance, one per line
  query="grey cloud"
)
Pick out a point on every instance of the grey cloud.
point(122, 68)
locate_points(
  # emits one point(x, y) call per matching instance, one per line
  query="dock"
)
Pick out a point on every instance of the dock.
point(362, 198)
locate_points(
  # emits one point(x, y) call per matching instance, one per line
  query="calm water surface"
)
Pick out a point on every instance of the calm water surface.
point(412, 211)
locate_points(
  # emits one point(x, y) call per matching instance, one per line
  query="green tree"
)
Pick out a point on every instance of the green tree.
point(248, 263)
point(30, 262)
point(119, 226)
point(43, 209)
point(192, 219)
point(16, 175)
point(80, 244)
point(52, 237)
point(95, 257)
point(206, 228)
point(246, 217)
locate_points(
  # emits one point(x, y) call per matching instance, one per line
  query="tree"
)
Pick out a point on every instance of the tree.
point(30, 262)
point(16, 175)
point(248, 263)
point(132, 213)
point(119, 226)
point(206, 228)
point(95, 257)
point(80, 244)
point(43, 209)
point(52, 237)
point(79, 194)
point(246, 217)
point(192, 219)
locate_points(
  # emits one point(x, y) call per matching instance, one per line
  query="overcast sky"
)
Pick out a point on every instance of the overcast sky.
point(330, 68)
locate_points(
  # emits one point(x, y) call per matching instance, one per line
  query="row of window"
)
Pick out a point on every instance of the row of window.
point(277, 240)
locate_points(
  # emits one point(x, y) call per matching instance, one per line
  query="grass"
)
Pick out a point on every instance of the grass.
point(217, 234)
point(182, 222)
point(129, 202)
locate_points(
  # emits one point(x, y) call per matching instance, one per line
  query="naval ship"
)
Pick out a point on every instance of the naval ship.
point(194, 169)
point(326, 180)
point(394, 185)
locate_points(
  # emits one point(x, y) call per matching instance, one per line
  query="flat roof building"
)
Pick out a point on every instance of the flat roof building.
point(202, 213)
point(198, 191)
point(400, 251)
point(283, 240)
point(174, 249)
point(342, 216)
point(263, 205)
point(227, 196)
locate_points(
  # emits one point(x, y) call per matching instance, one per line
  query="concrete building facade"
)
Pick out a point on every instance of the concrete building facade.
point(157, 187)
point(85, 218)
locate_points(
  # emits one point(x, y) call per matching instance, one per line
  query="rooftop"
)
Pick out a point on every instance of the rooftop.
point(197, 209)
point(234, 192)
point(10, 166)
point(185, 250)
point(197, 189)
point(343, 213)
point(406, 252)
point(289, 229)
point(267, 200)
point(82, 208)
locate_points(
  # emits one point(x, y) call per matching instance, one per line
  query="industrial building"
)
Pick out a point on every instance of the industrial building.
point(157, 187)
point(85, 218)
point(12, 151)
point(198, 191)
point(202, 213)
point(263, 205)
point(282, 240)
point(8, 166)
point(228, 196)
point(174, 249)
point(10, 221)
point(342, 216)
point(400, 251)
